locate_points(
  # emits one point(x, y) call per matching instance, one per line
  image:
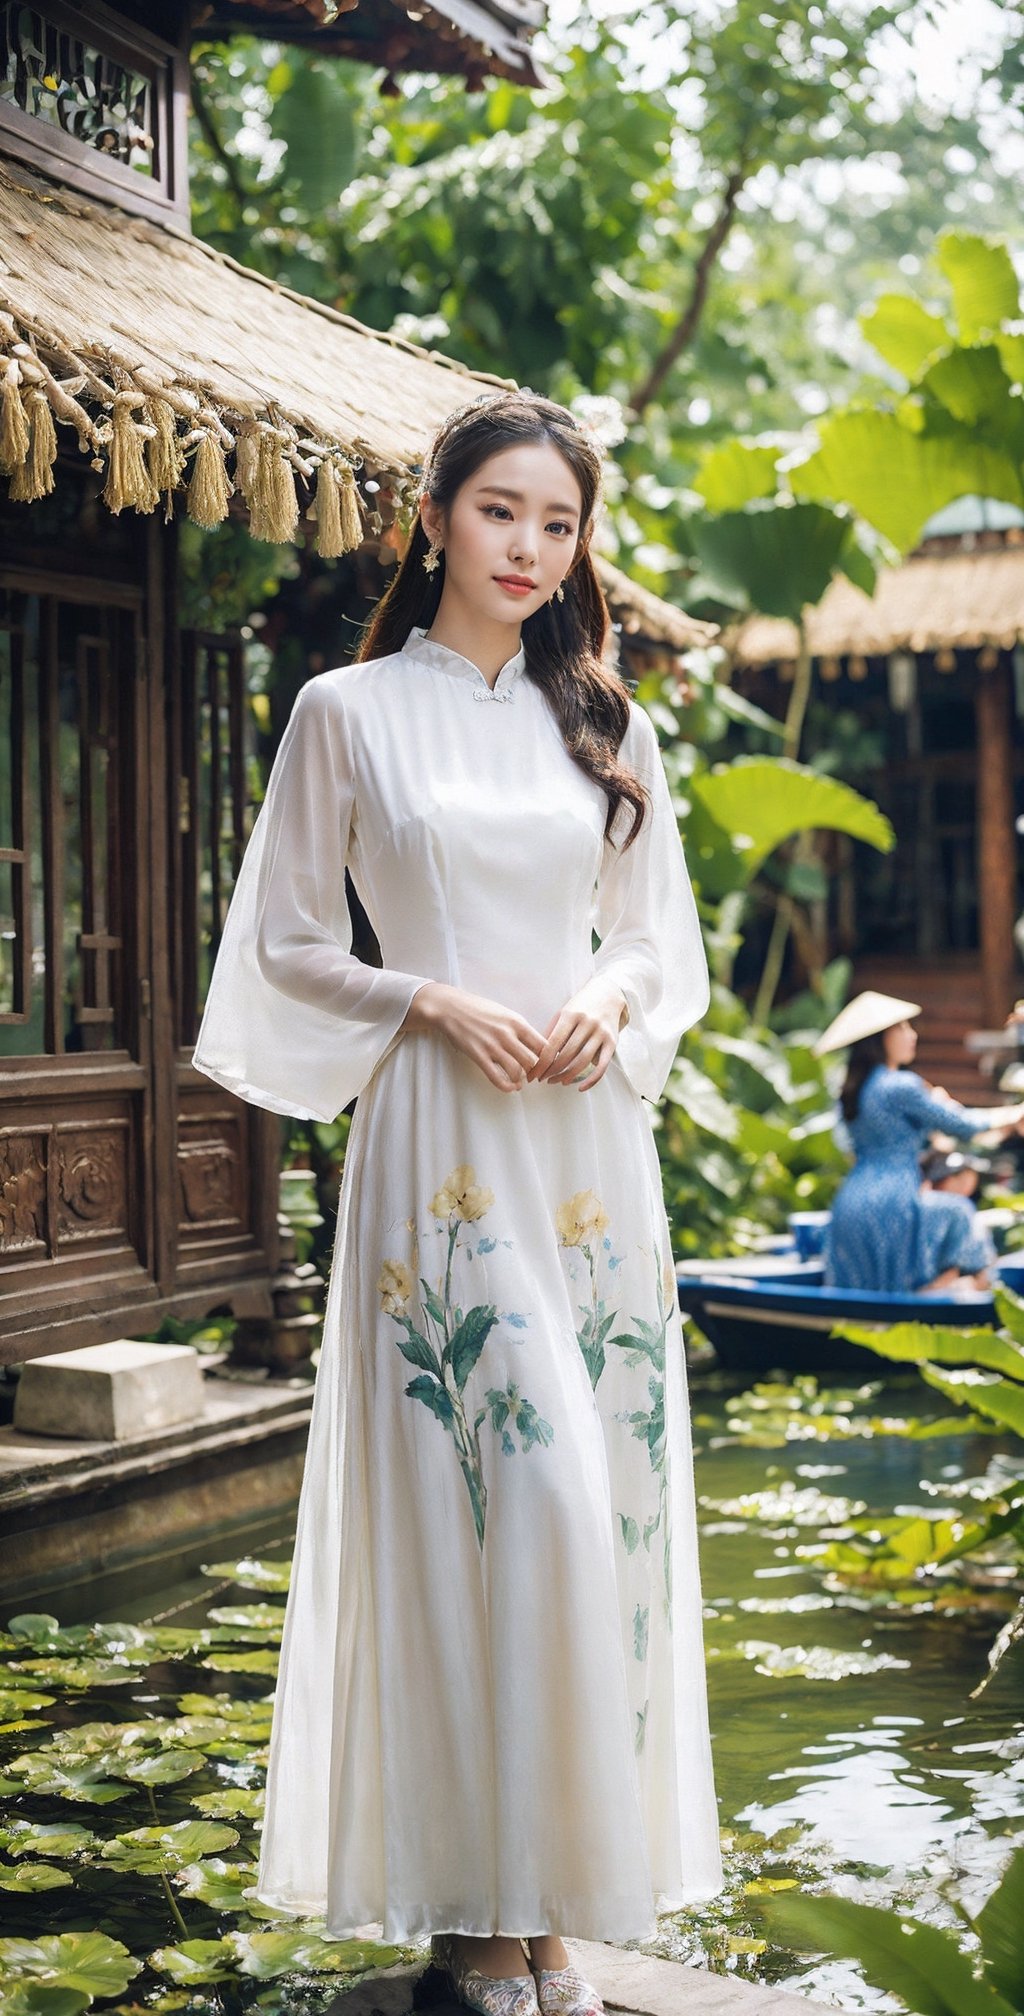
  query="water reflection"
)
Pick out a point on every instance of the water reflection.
point(869, 1803)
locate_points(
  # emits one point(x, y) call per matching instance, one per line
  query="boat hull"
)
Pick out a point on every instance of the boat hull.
point(782, 1321)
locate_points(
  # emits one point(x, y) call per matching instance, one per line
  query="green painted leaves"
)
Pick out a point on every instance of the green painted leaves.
point(510, 1406)
point(446, 1344)
point(468, 1341)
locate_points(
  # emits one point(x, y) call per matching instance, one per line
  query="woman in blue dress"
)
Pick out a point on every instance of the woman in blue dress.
point(887, 1232)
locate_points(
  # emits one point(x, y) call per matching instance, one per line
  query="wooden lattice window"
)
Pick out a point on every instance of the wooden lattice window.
point(66, 689)
point(90, 96)
point(212, 819)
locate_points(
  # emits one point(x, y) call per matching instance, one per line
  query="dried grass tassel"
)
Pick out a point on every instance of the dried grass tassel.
point(210, 485)
point(329, 538)
point(245, 461)
point(14, 427)
point(128, 479)
point(274, 506)
point(34, 478)
point(165, 456)
point(351, 521)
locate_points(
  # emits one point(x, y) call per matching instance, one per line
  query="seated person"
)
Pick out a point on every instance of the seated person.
point(887, 1232)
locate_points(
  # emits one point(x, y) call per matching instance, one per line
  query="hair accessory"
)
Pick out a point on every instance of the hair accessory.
point(866, 1015)
point(432, 560)
point(601, 424)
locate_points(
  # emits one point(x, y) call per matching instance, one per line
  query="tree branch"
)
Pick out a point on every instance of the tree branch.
point(212, 135)
point(686, 328)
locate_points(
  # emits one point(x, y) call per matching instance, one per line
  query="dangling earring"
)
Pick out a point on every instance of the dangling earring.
point(432, 560)
point(559, 593)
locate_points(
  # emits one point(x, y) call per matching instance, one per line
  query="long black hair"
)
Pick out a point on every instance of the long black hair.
point(861, 1062)
point(564, 640)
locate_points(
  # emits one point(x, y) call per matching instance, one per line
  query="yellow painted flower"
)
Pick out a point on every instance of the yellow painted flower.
point(461, 1196)
point(581, 1218)
point(394, 1286)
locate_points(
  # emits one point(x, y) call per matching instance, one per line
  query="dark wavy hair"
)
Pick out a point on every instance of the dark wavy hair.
point(564, 640)
point(860, 1063)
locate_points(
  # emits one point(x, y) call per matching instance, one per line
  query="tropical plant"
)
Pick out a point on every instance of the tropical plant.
point(958, 426)
point(927, 1968)
point(980, 1370)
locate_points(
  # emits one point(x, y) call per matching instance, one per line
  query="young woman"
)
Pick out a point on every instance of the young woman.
point(886, 1231)
point(490, 1722)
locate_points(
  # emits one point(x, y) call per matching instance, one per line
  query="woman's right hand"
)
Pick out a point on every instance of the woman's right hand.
point(501, 1043)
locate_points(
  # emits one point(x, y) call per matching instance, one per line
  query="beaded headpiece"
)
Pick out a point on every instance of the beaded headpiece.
point(599, 440)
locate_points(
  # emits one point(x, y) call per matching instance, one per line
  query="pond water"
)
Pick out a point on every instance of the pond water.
point(849, 1754)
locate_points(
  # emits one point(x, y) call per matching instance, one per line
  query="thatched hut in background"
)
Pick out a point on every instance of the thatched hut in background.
point(929, 672)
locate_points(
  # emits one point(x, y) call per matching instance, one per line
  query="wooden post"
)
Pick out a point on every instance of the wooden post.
point(997, 842)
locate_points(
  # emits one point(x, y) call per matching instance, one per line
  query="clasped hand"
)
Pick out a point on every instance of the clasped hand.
point(576, 1048)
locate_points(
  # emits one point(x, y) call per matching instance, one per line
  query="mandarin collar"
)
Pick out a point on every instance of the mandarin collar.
point(445, 659)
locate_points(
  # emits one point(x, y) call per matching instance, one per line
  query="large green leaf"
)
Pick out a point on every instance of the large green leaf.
point(924, 1967)
point(299, 1950)
point(1000, 1927)
point(971, 384)
point(995, 1399)
point(734, 474)
point(763, 800)
point(701, 1100)
point(897, 475)
point(776, 559)
point(917, 1343)
point(87, 1961)
point(156, 1851)
point(1010, 1311)
point(980, 272)
point(904, 332)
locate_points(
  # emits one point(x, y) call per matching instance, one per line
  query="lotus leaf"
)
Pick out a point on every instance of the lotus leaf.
point(33, 1876)
point(156, 1851)
point(196, 1960)
point(88, 1961)
point(242, 1662)
point(268, 1954)
point(60, 1839)
point(250, 1573)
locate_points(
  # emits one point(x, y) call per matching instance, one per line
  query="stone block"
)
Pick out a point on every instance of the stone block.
point(110, 1392)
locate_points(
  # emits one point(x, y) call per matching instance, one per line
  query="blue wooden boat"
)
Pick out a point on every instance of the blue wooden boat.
point(771, 1311)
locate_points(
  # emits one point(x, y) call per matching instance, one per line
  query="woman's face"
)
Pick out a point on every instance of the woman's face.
point(511, 532)
point(900, 1044)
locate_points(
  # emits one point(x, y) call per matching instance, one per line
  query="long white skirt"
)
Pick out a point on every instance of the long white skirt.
point(491, 1711)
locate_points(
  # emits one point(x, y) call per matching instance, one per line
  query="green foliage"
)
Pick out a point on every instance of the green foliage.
point(921, 1964)
point(773, 558)
point(759, 801)
point(745, 1133)
point(980, 1369)
point(175, 1797)
point(960, 426)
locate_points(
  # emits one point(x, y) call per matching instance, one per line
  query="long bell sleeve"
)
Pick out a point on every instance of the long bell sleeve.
point(293, 1020)
point(646, 919)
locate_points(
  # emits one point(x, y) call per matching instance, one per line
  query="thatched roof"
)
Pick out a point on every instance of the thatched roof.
point(146, 340)
point(473, 38)
point(644, 615)
point(179, 369)
point(933, 601)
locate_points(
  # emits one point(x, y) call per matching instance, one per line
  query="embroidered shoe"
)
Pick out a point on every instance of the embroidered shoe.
point(489, 1995)
point(562, 1991)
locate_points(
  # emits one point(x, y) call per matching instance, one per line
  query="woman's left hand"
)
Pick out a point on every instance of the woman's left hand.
point(580, 1041)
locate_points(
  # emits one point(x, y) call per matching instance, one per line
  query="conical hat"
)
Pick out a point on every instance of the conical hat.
point(866, 1015)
